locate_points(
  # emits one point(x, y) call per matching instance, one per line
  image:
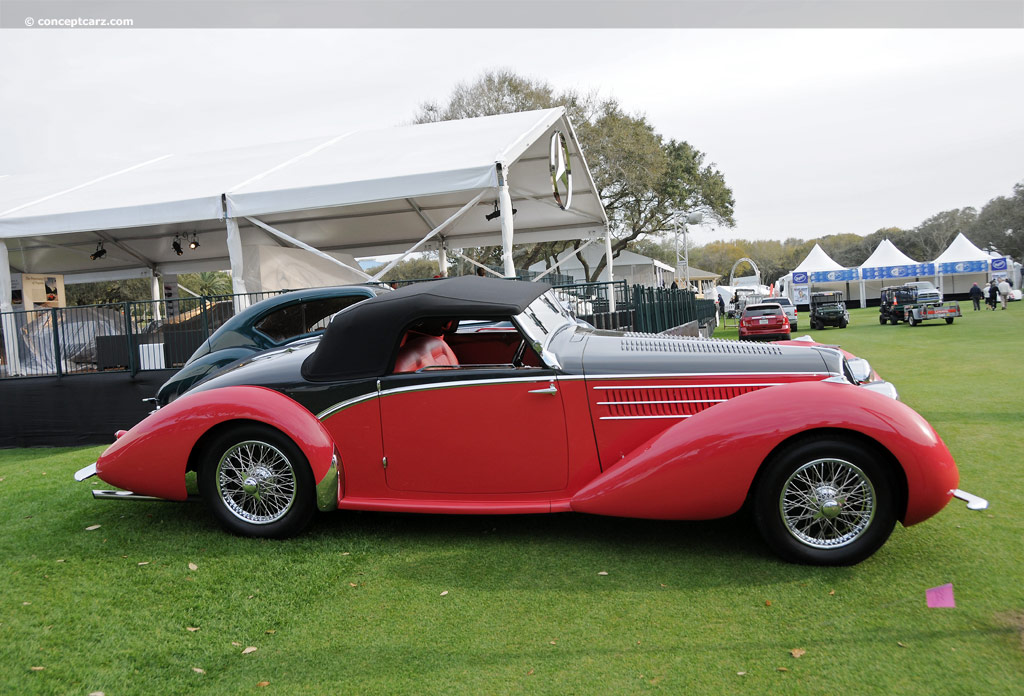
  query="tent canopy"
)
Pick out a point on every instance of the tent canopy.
point(888, 262)
point(886, 254)
point(961, 249)
point(818, 260)
point(363, 193)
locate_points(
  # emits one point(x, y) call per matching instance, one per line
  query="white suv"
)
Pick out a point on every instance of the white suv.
point(926, 292)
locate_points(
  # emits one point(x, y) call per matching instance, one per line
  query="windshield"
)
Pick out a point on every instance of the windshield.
point(542, 319)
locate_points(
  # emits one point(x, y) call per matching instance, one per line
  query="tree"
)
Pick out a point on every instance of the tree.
point(207, 283)
point(108, 291)
point(1000, 224)
point(642, 180)
point(929, 239)
point(409, 269)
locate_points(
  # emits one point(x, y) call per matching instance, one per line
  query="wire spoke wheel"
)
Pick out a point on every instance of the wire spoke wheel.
point(827, 503)
point(256, 482)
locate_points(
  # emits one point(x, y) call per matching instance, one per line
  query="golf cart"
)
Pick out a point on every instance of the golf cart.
point(828, 309)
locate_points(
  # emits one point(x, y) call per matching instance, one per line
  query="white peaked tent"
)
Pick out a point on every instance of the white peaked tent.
point(962, 264)
point(817, 270)
point(402, 189)
point(886, 266)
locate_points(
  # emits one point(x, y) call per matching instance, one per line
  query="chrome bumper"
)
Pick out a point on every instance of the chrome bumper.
point(973, 501)
point(86, 472)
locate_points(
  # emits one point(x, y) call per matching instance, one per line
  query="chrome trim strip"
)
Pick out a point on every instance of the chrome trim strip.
point(327, 489)
point(719, 375)
point(690, 415)
point(86, 472)
point(345, 404)
point(692, 401)
point(696, 386)
point(433, 385)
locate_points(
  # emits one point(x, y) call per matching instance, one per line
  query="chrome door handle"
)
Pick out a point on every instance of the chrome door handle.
point(550, 390)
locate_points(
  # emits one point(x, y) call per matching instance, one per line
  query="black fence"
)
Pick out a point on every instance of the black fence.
point(125, 336)
point(134, 337)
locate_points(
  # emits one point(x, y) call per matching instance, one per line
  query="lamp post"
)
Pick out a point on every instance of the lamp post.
point(691, 219)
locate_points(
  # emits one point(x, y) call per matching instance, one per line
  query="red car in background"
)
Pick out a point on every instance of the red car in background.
point(766, 320)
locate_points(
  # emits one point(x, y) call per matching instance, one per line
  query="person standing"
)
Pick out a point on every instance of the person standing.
point(1004, 292)
point(976, 295)
point(990, 298)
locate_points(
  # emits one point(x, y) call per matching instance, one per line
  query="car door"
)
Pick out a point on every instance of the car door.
point(472, 431)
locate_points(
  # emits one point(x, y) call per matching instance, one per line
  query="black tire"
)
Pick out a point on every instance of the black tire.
point(803, 506)
point(912, 320)
point(842, 324)
point(881, 319)
point(256, 482)
point(949, 320)
point(794, 327)
point(894, 320)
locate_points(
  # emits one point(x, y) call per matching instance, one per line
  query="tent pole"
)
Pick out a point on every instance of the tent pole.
point(505, 206)
point(611, 274)
point(235, 254)
point(157, 293)
point(442, 260)
point(10, 332)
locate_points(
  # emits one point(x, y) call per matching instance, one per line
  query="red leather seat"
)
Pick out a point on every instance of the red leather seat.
point(420, 350)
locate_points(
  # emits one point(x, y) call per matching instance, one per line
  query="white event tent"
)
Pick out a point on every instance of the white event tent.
point(424, 187)
point(886, 266)
point(819, 270)
point(963, 264)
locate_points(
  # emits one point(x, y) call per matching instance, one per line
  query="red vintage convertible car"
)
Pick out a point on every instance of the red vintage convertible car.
point(383, 412)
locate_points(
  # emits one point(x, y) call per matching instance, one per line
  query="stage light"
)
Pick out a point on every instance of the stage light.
point(176, 245)
point(496, 213)
point(99, 253)
point(194, 244)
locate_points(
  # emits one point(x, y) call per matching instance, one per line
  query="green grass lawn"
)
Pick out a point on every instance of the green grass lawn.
point(357, 605)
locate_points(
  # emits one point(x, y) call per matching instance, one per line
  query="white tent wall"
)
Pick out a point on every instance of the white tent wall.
point(277, 268)
point(634, 268)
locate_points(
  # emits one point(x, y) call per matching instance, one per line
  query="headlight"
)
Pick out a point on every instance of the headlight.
point(861, 369)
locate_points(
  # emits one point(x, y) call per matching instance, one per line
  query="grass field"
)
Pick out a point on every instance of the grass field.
point(157, 600)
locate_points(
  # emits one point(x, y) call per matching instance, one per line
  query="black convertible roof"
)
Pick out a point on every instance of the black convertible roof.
point(360, 339)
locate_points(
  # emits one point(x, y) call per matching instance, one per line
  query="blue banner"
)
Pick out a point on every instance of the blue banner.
point(834, 276)
point(799, 278)
point(999, 264)
point(911, 270)
point(963, 267)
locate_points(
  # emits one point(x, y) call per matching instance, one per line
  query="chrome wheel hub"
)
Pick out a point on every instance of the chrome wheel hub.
point(256, 482)
point(827, 503)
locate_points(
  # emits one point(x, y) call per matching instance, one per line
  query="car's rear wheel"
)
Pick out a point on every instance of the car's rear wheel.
point(256, 482)
point(825, 502)
point(881, 319)
point(912, 320)
point(949, 320)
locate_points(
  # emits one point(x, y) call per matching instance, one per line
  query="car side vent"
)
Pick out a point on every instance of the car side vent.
point(630, 403)
point(656, 343)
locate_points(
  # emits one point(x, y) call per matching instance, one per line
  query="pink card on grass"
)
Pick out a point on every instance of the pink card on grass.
point(940, 597)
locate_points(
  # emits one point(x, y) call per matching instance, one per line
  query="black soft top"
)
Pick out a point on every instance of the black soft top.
point(360, 339)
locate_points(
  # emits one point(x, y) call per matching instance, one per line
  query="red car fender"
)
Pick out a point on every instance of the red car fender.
point(703, 467)
point(152, 457)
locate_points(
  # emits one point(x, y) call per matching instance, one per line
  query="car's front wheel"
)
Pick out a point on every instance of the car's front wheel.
point(825, 502)
point(256, 482)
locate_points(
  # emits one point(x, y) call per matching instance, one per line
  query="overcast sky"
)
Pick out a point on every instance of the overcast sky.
point(817, 131)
